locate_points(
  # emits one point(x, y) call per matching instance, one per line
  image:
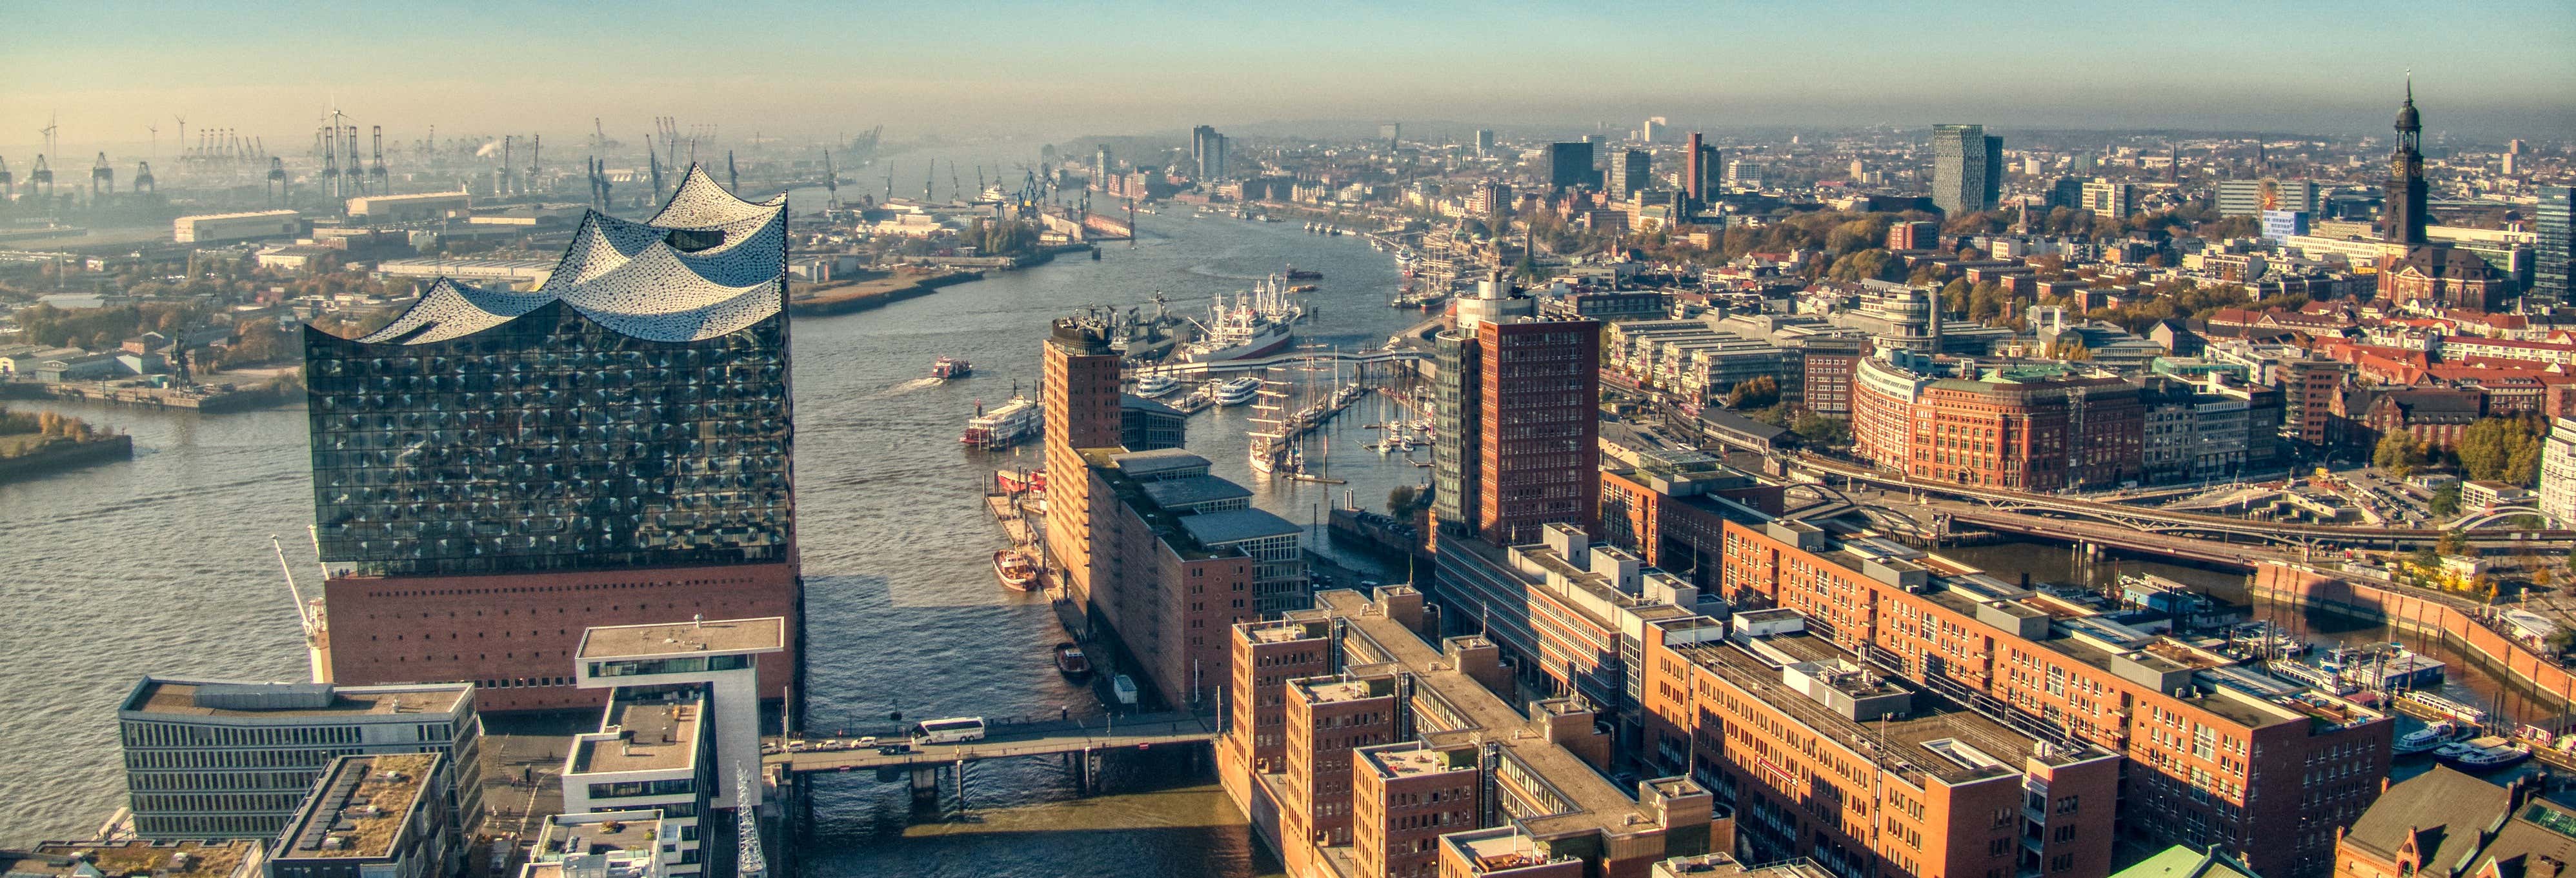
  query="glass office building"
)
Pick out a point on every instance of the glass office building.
point(631, 411)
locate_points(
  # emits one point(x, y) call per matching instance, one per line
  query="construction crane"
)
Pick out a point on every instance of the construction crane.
point(52, 146)
point(183, 136)
point(733, 180)
point(156, 138)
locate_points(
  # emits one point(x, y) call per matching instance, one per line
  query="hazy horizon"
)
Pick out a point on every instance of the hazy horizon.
point(812, 71)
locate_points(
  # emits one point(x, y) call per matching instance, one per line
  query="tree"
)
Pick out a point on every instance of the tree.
point(1870, 264)
point(1820, 429)
point(2397, 453)
point(2452, 543)
point(1756, 393)
point(2491, 448)
point(1399, 500)
point(2447, 500)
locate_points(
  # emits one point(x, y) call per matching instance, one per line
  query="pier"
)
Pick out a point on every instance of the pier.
point(1229, 367)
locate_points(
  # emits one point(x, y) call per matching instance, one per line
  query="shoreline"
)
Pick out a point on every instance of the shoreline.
point(61, 456)
point(881, 291)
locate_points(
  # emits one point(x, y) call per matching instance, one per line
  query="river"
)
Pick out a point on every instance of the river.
point(162, 564)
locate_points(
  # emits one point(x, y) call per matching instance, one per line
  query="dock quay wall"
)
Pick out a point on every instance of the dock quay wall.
point(65, 455)
point(2457, 622)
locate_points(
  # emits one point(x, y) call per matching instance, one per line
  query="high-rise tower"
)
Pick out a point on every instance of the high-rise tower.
point(1517, 405)
point(1079, 392)
point(495, 471)
point(1967, 168)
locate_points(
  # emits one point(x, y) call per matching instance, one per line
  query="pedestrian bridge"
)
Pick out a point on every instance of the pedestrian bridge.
point(1051, 737)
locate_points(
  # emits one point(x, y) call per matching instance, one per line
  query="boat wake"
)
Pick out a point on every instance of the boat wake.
point(904, 388)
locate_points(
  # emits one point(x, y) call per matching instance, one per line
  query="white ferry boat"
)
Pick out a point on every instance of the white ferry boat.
point(1237, 391)
point(1152, 385)
point(1005, 425)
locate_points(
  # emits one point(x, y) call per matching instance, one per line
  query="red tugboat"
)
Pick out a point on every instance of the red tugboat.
point(947, 368)
point(1070, 662)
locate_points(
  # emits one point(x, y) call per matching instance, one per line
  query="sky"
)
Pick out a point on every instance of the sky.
point(109, 69)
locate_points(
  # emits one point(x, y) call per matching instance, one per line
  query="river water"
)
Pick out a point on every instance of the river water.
point(162, 565)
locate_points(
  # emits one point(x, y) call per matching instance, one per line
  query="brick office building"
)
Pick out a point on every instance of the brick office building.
point(2262, 775)
point(2024, 428)
point(1777, 720)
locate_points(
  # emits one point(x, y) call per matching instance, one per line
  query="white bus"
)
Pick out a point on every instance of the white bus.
point(949, 731)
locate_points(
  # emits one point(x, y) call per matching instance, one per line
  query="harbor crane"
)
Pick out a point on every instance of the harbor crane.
point(376, 173)
point(101, 176)
point(143, 179)
point(831, 184)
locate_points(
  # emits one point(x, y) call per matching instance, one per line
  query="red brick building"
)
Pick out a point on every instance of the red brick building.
point(2025, 428)
point(1823, 756)
point(2434, 417)
point(513, 636)
point(2266, 778)
point(1538, 411)
point(1406, 797)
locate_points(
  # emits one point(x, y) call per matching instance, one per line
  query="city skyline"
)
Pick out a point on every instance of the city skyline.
point(412, 68)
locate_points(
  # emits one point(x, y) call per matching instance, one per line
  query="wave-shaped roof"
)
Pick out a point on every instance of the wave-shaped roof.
point(707, 264)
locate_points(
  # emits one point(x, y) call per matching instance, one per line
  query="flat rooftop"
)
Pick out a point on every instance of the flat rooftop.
point(1599, 805)
point(1421, 760)
point(182, 698)
point(1329, 691)
point(1922, 741)
point(625, 838)
point(1498, 850)
point(685, 638)
point(1192, 491)
point(1282, 632)
point(655, 735)
point(1237, 525)
point(361, 807)
point(169, 859)
point(1146, 465)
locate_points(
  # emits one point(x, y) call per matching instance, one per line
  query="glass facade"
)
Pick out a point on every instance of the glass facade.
point(551, 442)
point(2556, 255)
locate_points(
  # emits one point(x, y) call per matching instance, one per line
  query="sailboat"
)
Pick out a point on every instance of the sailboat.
point(1268, 402)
